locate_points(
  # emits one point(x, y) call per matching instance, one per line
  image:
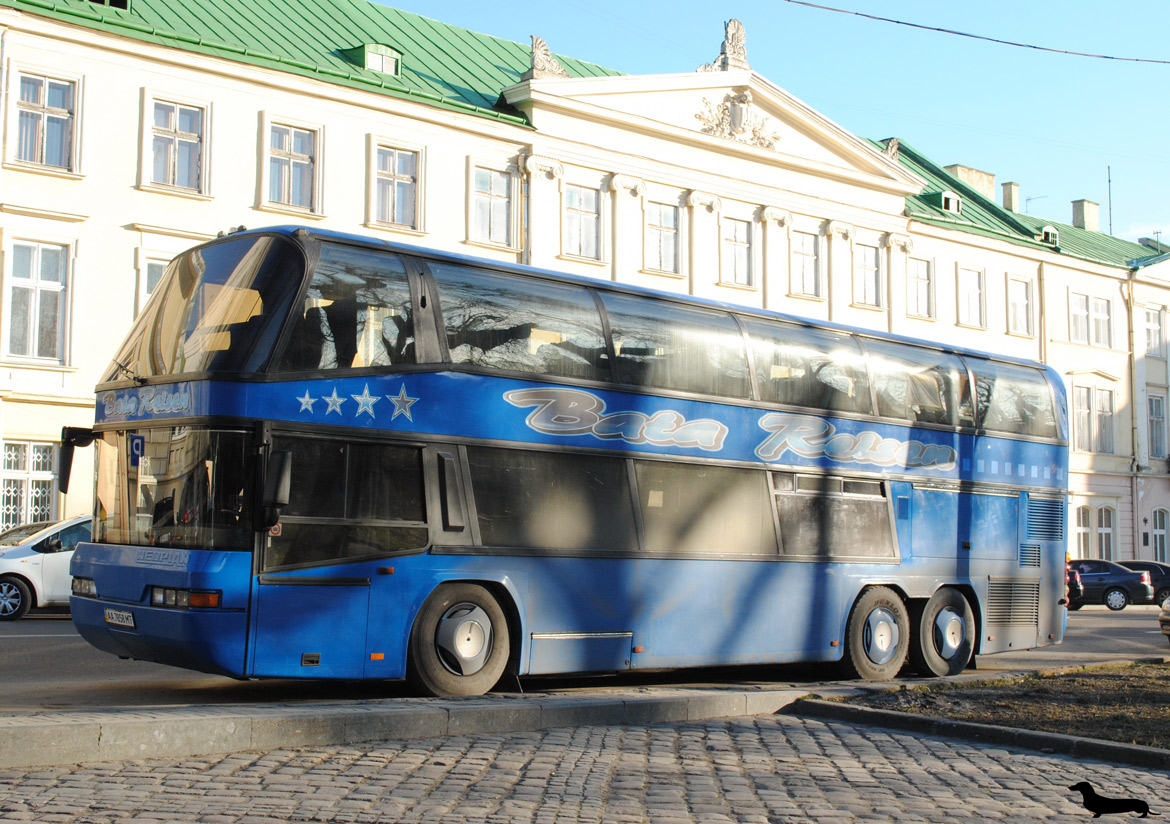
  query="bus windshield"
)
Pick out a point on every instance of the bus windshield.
point(177, 486)
point(220, 309)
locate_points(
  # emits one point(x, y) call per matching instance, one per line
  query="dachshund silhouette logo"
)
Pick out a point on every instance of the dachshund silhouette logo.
point(1100, 805)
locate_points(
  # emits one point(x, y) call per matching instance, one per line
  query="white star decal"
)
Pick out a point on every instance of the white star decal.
point(307, 403)
point(402, 403)
point(334, 401)
point(366, 401)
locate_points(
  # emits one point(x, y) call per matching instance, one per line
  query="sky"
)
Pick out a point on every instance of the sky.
point(1063, 127)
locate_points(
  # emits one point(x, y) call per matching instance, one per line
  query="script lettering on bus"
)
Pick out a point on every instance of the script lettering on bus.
point(574, 412)
point(817, 438)
point(146, 402)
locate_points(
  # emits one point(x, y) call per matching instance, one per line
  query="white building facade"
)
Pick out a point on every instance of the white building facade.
point(122, 149)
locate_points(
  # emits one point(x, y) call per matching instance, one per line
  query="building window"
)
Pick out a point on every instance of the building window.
point(1101, 321)
point(1154, 332)
point(1157, 425)
point(1078, 318)
point(737, 252)
point(970, 294)
point(36, 300)
point(582, 222)
point(1084, 531)
point(662, 237)
point(867, 275)
point(177, 138)
point(29, 480)
point(1105, 533)
point(149, 275)
point(1161, 517)
point(492, 207)
point(292, 166)
point(920, 289)
point(1104, 421)
point(396, 201)
point(806, 264)
point(45, 121)
point(1019, 306)
point(1082, 418)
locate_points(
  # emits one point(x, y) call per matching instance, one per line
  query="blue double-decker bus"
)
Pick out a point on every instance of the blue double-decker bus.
point(326, 456)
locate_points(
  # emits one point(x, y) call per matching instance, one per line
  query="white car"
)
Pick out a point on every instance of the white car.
point(34, 568)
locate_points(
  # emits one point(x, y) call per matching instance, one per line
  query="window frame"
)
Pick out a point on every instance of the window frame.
point(798, 261)
point(1104, 421)
point(576, 252)
point(48, 73)
point(65, 291)
point(316, 208)
point(1155, 342)
point(1029, 330)
point(146, 181)
point(28, 476)
point(512, 243)
point(144, 259)
point(1083, 531)
point(729, 248)
point(1106, 532)
point(375, 146)
point(1161, 524)
point(1079, 319)
point(866, 276)
point(962, 305)
point(1097, 317)
point(1156, 424)
point(652, 262)
point(913, 284)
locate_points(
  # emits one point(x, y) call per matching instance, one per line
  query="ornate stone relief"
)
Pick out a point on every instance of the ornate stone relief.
point(768, 214)
point(737, 119)
point(733, 52)
point(619, 182)
point(695, 198)
point(543, 63)
point(893, 240)
point(538, 165)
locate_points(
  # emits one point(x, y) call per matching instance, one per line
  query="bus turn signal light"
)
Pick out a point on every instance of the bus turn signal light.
point(204, 600)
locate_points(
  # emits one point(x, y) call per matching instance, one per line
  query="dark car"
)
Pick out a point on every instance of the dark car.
point(1164, 621)
point(1111, 584)
point(1076, 590)
point(1159, 577)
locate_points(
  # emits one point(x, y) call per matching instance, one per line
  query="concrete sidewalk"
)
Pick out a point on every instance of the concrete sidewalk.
point(69, 737)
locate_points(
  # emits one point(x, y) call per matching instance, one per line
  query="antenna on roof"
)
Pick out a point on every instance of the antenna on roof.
point(1028, 201)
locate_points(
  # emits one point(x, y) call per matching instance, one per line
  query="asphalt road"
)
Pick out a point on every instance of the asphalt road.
point(45, 665)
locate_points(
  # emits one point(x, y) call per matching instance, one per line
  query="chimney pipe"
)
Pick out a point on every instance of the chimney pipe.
point(1086, 215)
point(1011, 196)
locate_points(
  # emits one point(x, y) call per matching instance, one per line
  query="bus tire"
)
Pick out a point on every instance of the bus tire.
point(459, 644)
point(877, 635)
point(15, 599)
point(944, 634)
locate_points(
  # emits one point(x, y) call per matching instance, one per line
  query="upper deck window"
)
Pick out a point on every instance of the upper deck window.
point(809, 367)
point(221, 309)
point(357, 313)
point(1014, 399)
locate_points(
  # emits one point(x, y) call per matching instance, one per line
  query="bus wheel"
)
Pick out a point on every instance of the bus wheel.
point(944, 634)
point(15, 599)
point(459, 644)
point(876, 636)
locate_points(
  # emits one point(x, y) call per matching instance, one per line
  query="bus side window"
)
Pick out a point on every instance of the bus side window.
point(917, 385)
point(520, 324)
point(808, 367)
point(664, 346)
point(1013, 399)
point(358, 312)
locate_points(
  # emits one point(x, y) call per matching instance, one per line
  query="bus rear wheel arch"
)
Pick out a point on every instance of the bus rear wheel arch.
point(460, 642)
point(877, 635)
point(944, 634)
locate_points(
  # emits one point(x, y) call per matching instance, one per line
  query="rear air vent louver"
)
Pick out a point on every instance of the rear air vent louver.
point(1029, 555)
point(1045, 519)
point(1013, 603)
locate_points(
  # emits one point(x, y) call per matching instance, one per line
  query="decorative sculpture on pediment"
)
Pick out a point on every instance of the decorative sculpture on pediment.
point(543, 63)
point(733, 52)
point(736, 119)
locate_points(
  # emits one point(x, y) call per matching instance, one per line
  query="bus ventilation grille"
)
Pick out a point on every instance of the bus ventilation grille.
point(1029, 556)
point(1045, 520)
point(1013, 603)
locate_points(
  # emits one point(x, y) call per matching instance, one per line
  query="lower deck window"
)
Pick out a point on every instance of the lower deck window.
point(825, 517)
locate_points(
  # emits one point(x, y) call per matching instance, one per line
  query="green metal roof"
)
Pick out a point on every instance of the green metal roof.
point(442, 65)
point(983, 216)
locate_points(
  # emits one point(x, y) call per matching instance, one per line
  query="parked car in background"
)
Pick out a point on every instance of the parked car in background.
point(1159, 577)
point(34, 568)
point(1111, 584)
point(1164, 621)
point(1076, 590)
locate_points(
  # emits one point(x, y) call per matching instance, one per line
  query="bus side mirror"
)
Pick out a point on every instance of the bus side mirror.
point(277, 483)
point(71, 437)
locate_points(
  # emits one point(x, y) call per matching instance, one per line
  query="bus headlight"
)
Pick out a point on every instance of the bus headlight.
point(182, 598)
point(84, 586)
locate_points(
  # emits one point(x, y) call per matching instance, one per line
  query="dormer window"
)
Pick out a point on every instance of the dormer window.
point(376, 58)
point(946, 200)
point(1049, 235)
point(114, 4)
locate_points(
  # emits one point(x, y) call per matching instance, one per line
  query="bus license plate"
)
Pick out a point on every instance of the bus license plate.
point(120, 618)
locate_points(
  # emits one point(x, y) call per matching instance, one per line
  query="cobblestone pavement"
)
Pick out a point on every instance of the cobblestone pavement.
point(758, 769)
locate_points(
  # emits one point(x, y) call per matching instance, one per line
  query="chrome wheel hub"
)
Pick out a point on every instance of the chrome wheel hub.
point(9, 599)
